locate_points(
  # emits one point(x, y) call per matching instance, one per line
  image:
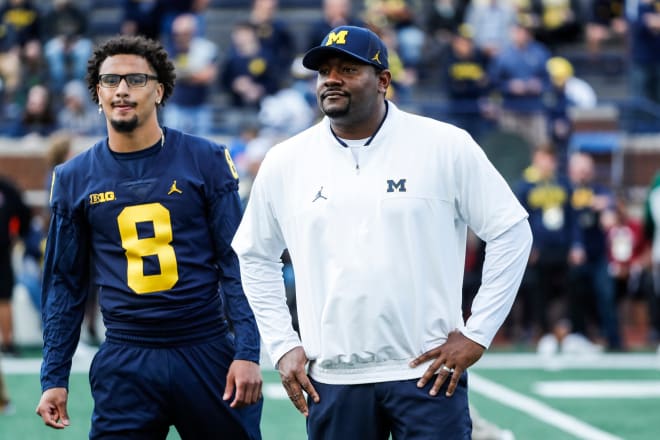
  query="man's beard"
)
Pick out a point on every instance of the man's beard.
point(336, 112)
point(124, 126)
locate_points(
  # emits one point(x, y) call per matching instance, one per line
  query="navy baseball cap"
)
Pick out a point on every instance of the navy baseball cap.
point(356, 42)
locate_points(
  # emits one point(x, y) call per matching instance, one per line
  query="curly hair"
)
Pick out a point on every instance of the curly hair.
point(150, 50)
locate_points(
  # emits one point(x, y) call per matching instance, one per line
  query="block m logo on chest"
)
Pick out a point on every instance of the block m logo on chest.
point(399, 185)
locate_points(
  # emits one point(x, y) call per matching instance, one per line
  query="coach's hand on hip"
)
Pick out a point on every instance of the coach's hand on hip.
point(450, 359)
point(292, 368)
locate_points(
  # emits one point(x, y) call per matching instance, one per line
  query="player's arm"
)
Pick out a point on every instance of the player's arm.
point(64, 292)
point(244, 379)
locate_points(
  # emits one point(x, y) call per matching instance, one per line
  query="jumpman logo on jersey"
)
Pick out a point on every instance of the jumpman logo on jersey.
point(319, 195)
point(174, 189)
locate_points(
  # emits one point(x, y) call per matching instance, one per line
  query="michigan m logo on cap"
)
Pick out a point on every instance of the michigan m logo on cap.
point(336, 38)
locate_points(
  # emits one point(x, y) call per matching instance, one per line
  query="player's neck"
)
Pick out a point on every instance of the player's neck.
point(136, 140)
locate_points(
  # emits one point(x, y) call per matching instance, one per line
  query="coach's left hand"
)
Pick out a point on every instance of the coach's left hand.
point(450, 359)
point(244, 377)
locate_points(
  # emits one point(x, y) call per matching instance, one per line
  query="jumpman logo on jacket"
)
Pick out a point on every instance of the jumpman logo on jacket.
point(174, 189)
point(319, 195)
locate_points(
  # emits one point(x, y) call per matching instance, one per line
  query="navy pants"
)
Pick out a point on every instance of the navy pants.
point(374, 411)
point(139, 392)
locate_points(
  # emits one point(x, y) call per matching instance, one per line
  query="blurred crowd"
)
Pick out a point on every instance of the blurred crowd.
point(498, 64)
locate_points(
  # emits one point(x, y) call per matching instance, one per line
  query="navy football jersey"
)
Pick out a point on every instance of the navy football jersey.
point(151, 230)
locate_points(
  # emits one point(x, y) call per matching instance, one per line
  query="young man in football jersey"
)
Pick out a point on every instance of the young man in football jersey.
point(373, 205)
point(146, 216)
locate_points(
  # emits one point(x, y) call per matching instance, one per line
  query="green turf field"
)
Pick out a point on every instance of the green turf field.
point(600, 397)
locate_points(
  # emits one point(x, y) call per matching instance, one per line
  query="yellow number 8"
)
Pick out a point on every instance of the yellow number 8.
point(137, 248)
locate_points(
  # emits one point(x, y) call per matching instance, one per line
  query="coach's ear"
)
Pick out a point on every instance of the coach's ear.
point(384, 80)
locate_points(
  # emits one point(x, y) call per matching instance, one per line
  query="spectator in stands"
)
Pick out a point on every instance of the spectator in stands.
point(34, 71)
point(645, 62)
point(520, 76)
point(196, 62)
point(399, 16)
point(441, 22)
point(491, 21)
point(566, 91)
point(173, 8)
point(403, 77)
point(335, 13)
point(605, 22)
point(590, 281)
point(25, 17)
point(67, 46)
point(629, 261)
point(248, 73)
point(274, 34)
point(15, 220)
point(293, 108)
point(78, 115)
point(553, 22)
point(9, 62)
point(467, 83)
point(141, 17)
point(652, 233)
point(547, 198)
point(444, 18)
point(38, 117)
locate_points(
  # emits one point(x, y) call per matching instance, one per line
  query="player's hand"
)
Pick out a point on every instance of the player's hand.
point(244, 383)
point(451, 359)
point(52, 408)
point(294, 378)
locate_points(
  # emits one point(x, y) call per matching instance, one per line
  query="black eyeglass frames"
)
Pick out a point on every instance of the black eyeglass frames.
point(112, 80)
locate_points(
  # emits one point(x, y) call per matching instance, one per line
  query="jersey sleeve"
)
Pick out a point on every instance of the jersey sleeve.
point(224, 216)
point(65, 287)
point(259, 244)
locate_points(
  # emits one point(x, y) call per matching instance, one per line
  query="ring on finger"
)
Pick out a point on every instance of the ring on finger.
point(295, 396)
point(447, 369)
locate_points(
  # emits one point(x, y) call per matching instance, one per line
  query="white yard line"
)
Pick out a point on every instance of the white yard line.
point(595, 389)
point(537, 409)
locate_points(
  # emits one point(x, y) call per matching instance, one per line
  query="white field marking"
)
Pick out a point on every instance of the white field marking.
point(589, 389)
point(591, 361)
point(274, 391)
point(537, 409)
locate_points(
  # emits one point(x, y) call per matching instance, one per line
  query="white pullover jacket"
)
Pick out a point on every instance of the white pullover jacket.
point(378, 246)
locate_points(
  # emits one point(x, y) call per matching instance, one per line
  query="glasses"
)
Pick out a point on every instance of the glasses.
point(112, 80)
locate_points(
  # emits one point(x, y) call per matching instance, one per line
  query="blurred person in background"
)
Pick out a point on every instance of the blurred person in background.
point(590, 280)
point(141, 17)
point(546, 196)
point(645, 47)
point(518, 73)
point(38, 116)
point(196, 62)
point(605, 22)
point(25, 17)
point(248, 72)
point(78, 115)
point(274, 34)
point(15, 219)
point(467, 83)
point(67, 46)
point(491, 22)
point(335, 13)
point(10, 67)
